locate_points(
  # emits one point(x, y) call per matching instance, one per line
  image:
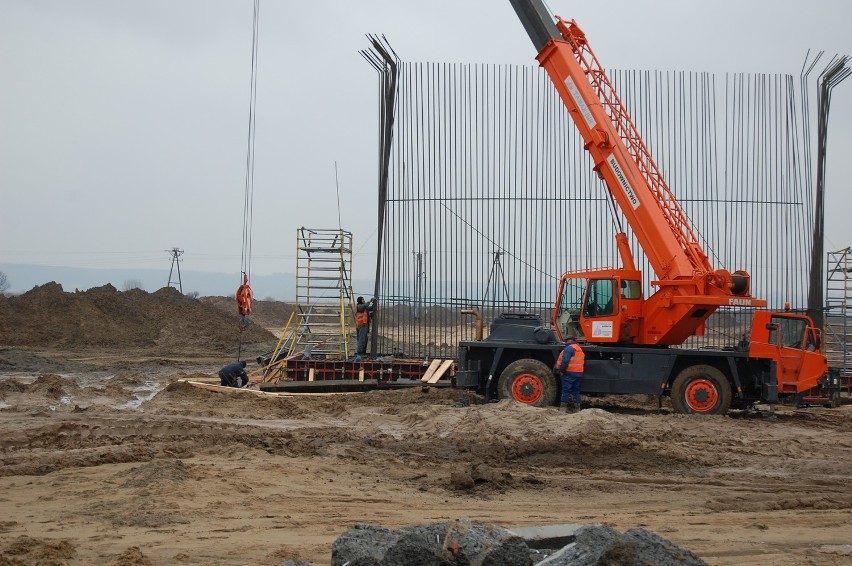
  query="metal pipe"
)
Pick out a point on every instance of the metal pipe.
point(478, 316)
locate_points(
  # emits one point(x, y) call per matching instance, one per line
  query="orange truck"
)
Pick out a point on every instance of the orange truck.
point(633, 343)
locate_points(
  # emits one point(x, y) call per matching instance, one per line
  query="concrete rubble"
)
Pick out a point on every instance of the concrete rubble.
point(599, 545)
point(469, 543)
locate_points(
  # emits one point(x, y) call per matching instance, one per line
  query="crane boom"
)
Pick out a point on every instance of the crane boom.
point(620, 155)
point(689, 288)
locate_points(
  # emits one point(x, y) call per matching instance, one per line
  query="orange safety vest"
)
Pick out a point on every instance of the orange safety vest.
point(577, 363)
point(244, 298)
point(362, 317)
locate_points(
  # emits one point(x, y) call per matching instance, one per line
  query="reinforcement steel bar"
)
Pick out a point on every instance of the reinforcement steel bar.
point(490, 196)
point(834, 73)
point(386, 63)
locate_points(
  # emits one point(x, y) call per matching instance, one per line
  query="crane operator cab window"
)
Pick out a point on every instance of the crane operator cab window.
point(599, 298)
point(568, 312)
point(630, 289)
point(788, 332)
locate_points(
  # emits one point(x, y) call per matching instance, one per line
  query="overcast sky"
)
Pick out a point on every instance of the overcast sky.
point(123, 124)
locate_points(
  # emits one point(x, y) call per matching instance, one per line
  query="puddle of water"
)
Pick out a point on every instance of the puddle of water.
point(142, 393)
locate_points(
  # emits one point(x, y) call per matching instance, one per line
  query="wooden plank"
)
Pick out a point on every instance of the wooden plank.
point(311, 374)
point(210, 380)
point(441, 371)
point(432, 368)
point(257, 392)
point(361, 374)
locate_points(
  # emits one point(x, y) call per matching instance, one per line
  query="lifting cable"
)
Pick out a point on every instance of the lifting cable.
point(244, 295)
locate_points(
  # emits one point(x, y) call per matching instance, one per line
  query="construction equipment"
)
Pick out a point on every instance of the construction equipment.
point(837, 329)
point(632, 343)
point(314, 351)
point(324, 298)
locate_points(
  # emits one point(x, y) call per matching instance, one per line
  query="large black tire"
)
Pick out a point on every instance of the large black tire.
point(701, 390)
point(530, 382)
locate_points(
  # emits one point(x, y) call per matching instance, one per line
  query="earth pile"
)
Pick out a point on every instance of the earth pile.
point(48, 317)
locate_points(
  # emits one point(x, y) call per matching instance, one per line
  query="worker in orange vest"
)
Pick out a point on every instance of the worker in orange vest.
point(569, 367)
point(363, 316)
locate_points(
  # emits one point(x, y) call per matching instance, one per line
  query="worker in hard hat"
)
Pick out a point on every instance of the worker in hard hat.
point(569, 368)
point(363, 317)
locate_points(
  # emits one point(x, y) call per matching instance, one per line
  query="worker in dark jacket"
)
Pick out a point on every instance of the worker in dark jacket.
point(233, 375)
point(363, 317)
point(570, 367)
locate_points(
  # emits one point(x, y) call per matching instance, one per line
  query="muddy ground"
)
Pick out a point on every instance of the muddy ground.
point(106, 458)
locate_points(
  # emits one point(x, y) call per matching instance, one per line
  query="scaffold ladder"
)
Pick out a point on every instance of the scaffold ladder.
point(838, 301)
point(325, 306)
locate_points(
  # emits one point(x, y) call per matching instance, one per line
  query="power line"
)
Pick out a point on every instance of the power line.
point(175, 254)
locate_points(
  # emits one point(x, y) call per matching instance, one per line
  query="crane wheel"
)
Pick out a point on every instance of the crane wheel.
point(701, 390)
point(530, 382)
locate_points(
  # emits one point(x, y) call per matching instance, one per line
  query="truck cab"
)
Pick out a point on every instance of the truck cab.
point(793, 342)
point(602, 305)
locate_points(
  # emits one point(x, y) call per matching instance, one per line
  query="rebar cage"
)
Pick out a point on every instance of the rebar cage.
point(490, 196)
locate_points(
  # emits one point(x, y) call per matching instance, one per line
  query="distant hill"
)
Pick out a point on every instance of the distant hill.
point(278, 286)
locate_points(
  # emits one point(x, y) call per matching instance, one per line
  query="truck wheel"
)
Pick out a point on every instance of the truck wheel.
point(530, 382)
point(701, 390)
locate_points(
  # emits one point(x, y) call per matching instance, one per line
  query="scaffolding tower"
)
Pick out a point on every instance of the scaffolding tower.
point(324, 317)
point(838, 301)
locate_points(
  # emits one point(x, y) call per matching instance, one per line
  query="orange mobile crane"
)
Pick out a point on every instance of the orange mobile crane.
point(631, 341)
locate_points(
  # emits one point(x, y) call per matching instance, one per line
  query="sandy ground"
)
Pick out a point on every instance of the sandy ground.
point(107, 460)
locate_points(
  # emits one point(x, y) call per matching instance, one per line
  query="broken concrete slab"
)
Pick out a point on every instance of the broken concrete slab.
point(363, 545)
point(548, 536)
point(439, 544)
point(596, 545)
point(465, 542)
point(476, 544)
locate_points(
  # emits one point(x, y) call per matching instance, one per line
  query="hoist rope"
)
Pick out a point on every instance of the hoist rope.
point(248, 197)
point(245, 259)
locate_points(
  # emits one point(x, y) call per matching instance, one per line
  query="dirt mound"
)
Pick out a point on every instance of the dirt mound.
point(138, 512)
point(181, 397)
point(47, 316)
point(155, 471)
point(12, 385)
point(131, 557)
point(27, 550)
point(421, 395)
point(51, 386)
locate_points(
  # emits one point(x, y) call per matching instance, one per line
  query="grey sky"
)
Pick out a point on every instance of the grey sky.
point(123, 124)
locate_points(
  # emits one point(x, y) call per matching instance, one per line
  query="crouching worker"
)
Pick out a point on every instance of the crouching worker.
point(569, 367)
point(233, 375)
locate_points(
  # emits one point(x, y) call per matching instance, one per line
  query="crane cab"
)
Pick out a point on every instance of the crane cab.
point(601, 306)
point(794, 344)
